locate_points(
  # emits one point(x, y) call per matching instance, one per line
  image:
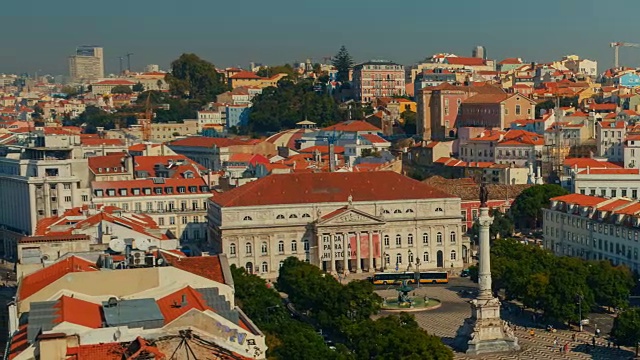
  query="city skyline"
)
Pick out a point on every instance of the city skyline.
point(310, 31)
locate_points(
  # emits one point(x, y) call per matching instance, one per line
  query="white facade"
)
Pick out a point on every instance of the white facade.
point(210, 118)
point(576, 228)
point(610, 137)
point(608, 182)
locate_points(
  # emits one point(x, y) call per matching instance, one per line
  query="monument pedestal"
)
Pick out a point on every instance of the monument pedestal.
point(485, 332)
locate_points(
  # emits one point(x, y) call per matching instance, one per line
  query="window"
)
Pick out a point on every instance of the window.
point(249, 267)
point(398, 258)
point(410, 257)
point(149, 206)
point(387, 259)
point(85, 198)
point(634, 193)
point(517, 109)
point(410, 239)
point(305, 244)
point(172, 220)
point(161, 221)
point(247, 218)
point(305, 215)
point(265, 267)
point(196, 219)
point(453, 254)
point(452, 236)
point(248, 248)
point(232, 249)
point(425, 238)
point(409, 211)
point(67, 186)
point(280, 217)
point(184, 220)
point(474, 214)
point(293, 216)
point(398, 240)
point(281, 247)
point(386, 240)
point(67, 198)
point(137, 206)
point(624, 192)
point(294, 246)
point(397, 211)
point(182, 189)
point(425, 257)
point(439, 210)
point(613, 193)
point(439, 238)
point(265, 248)
point(157, 191)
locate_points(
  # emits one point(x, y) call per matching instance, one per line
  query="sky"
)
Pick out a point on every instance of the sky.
point(39, 35)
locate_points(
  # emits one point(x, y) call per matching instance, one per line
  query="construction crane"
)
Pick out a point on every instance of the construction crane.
point(146, 122)
point(120, 58)
point(616, 47)
point(129, 61)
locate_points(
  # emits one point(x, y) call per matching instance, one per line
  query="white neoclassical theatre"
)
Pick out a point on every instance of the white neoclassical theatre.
point(340, 222)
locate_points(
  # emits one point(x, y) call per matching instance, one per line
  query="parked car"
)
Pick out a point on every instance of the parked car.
point(465, 273)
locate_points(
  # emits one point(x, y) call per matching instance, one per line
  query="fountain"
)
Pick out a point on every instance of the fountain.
point(405, 302)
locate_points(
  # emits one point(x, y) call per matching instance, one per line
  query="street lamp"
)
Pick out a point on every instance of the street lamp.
point(579, 297)
point(418, 272)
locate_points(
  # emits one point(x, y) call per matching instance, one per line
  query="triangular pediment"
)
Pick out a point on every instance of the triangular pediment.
point(348, 215)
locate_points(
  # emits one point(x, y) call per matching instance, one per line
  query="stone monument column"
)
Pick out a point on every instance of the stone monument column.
point(485, 331)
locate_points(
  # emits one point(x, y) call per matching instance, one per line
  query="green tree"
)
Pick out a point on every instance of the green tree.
point(527, 207)
point(71, 91)
point(626, 328)
point(501, 227)
point(395, 337)
point(343, 62)
point(280, 69)
point(613, 284)
point(410, 122)
point(194, 78)
point(121, 89)
point(93, 117)
point(138, 87)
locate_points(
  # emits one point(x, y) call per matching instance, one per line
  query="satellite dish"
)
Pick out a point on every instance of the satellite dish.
point(143, 244)
point(160, 261)
point(117, 245)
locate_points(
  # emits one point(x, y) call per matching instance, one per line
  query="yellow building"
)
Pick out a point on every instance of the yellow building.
point(248, 78)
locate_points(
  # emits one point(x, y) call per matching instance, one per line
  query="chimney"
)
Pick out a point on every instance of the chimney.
point(588, 169)
point(184, 301)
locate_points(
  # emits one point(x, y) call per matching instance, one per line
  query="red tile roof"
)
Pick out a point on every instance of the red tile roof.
point(79, 312)
point(111, 162)
point(596, 106)
point(129, 185)
point(38, 280)
point(180, 164)
point(208, 267)
point(611, 171)
point(108, 351)
point(612, 124)
point(579, 199)
point(300, 188)
point(19, 342)
point(468, 61)
point(245, 75)
point(486, 99)
point(115, 82)
point(248, 158)
point(374, 139)
point(209, 142)
point(510, 61)
point(353, 126)
point(172, 308)
point(614, 204)
point(583, 163)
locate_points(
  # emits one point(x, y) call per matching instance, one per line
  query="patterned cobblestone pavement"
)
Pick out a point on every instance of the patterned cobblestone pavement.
point(445, 321)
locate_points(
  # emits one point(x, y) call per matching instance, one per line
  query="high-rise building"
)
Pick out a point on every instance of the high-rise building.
point(152, 68)
point(479, 52)
point(87, 64)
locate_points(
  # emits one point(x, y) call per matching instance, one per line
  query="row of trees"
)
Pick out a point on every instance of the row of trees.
point(343, 311)
point(557, 285)
point(526, 210)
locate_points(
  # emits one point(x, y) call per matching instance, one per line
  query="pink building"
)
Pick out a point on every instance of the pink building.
point(378, 78)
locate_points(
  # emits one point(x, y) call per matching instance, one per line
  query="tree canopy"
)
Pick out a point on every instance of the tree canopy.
point(138, 87)
point(343, 62)
point(501, 227)
point(410, 122)
point(194, 78)
point(281, 107)
point(557, 285)
point(121, 89)
point(280, 69)
point(527, 207)
point(626, 327)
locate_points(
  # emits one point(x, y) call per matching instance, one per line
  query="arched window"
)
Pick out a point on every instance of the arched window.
point(425, 257)
point(280, 264)
point(305, 244)
point(409, 211)
point(265, 248)
point(306, 215)
point(281, 247)
point(398, 240)
point(385, 211)
point(247, 218)
point(248, 248)
point(387, 259)
point(386, 240)
point(280, 217)
point(265, 267)
point(293, 216)
point(452, 236)
point(410, 239)
point(439, 238)
point(453, 254)
point(294, 246)
point(249, 267)
point(398, 258)
point(397, 211)
point(232, 249)
point(410, 257)
point(425, 238)
point(439, 210)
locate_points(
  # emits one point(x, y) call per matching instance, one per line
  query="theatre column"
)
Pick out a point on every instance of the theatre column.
point(358, 260)
point(371, 251)
point(332, 266)
point(345, 253)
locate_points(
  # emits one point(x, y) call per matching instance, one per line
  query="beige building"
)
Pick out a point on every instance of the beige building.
point(87, 64)
point(340, 222)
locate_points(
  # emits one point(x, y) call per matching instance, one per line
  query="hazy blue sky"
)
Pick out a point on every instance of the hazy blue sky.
point(38, 34)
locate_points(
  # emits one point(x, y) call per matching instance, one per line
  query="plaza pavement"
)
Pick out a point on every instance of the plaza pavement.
point(445, 321)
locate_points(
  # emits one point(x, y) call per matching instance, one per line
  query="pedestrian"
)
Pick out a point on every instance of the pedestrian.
point(573, 337)
point(566, 348)
point(597, 332)
point(555, 343)
point(593, 341)
point(608, 343)
point(532, 333)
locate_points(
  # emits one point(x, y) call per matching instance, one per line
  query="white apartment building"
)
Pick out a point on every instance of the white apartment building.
point(593, 228)
point(87, 64)
point(632, 151)
point(610, 136)
point(179, 205)
point(607, 182)
point(340, 222)
point(210, 117)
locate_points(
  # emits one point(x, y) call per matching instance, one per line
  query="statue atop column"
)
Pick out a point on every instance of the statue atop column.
point(484, 195)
